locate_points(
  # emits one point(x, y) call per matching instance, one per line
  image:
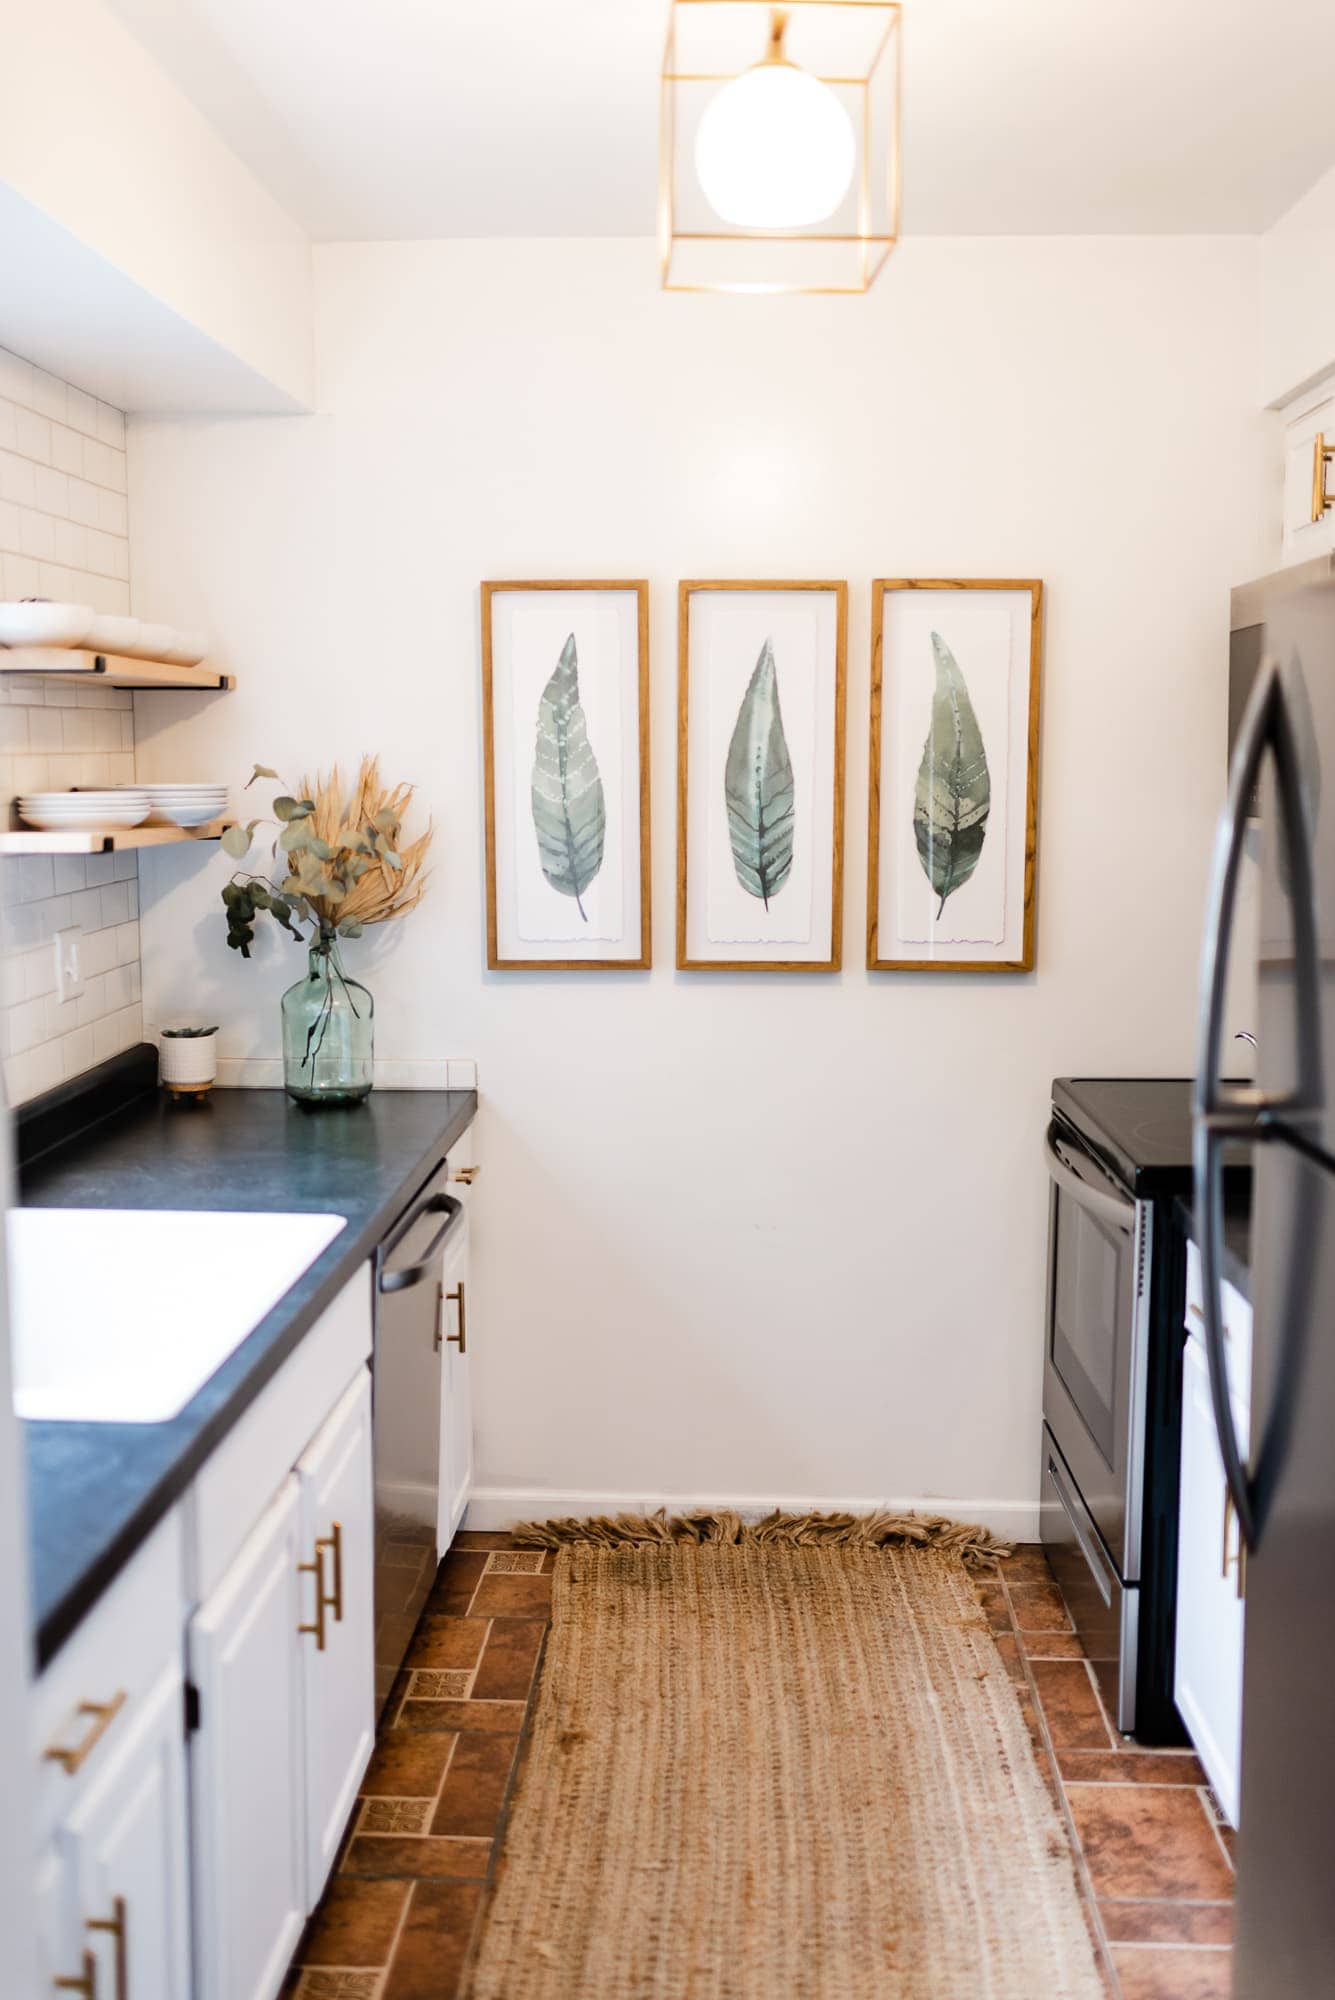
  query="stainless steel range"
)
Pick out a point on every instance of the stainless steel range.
point(1118, 1155)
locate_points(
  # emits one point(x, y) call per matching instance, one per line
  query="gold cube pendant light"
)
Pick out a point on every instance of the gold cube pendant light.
point(779, 145)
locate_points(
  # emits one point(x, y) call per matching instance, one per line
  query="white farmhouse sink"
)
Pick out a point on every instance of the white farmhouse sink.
point(120, 1315)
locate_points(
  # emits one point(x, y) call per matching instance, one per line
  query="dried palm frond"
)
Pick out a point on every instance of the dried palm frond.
point(392, 882)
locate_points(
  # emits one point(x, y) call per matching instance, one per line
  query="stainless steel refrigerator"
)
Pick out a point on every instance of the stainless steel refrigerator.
point(1283, 1488)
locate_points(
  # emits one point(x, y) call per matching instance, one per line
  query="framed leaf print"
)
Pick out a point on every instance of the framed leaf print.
point(565, 721)
point(953, 818)
point(760, 776)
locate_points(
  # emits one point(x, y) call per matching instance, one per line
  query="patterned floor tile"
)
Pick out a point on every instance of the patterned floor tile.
point(1149, 1973)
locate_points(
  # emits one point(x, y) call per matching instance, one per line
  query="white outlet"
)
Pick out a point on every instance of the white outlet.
point(69, 963)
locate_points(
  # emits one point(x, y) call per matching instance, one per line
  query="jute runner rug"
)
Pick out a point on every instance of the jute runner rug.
point(779, 1767)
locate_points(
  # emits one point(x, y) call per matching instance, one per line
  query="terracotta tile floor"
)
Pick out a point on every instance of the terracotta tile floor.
point(398, 1917)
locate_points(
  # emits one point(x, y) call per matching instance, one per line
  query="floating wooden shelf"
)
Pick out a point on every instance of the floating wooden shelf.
point(114, 840)
point(109, 669)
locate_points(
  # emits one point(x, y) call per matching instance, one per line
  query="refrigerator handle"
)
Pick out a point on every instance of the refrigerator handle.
point(1223, 1111)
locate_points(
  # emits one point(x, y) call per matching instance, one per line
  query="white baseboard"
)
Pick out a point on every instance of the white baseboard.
point(421, 1073)
point(498, 1507)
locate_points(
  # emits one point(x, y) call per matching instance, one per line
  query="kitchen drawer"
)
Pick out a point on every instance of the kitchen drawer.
point(239, 1480)
point(112, 1660)
point(1237, 1315)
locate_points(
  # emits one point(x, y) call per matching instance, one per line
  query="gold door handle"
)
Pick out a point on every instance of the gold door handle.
point(334, 1543)
point(1322, 454)
point(316, 1569)
point(86, 1984)
point(1230, 1514)
point(1224, 1557)
point(72, 1757)
point(466, 1174)
point(114, 1925)
point(460, 1339)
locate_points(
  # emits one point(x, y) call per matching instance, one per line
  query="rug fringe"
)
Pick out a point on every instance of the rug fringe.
point(974, 1545)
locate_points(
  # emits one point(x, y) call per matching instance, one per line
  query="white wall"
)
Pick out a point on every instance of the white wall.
point(767, 1236)
point(1298, 294)
point(64, 533)
point(95, 138)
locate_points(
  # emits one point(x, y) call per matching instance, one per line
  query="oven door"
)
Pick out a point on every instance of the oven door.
point(1097, 1334)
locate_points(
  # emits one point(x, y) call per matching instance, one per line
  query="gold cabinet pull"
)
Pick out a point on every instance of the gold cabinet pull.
point(460, 1339)
point(316, 1569)
point(85, 1984)
point(334, 1543)
point(1322, 454)
point(1226, 1560)
point(114, 1926)
point(466, 1174)
point(72, 1757)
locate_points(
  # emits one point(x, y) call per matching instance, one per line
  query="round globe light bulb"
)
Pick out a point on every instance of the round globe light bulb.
point(775, 148)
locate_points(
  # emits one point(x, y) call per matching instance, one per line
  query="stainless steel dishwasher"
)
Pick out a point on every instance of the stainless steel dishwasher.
point(409, 1306)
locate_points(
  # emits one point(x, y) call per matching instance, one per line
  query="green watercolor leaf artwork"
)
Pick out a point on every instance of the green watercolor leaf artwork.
point(569, 814)
point(953, 795)
point(758, 786)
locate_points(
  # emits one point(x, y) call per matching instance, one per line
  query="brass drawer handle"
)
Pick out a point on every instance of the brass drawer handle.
point(460, 1339)
point(114, 1925)
point(334, 1543)
point(1322, 454)
point(87, 1985)
point(1240, 1581)
point(316, 1569)
point(73, 1757)
point(466, 1174)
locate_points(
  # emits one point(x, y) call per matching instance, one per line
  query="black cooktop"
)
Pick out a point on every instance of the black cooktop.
point(1139, 1126)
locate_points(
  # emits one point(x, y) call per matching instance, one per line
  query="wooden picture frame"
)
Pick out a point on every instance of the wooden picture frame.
point(1004, 648)
point(521, 666)
point(718, 929)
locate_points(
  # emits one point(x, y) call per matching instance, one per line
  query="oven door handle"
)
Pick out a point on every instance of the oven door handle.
point(413, 1274)
point(1119, 1211)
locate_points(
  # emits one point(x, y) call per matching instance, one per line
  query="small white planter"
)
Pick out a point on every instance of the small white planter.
point(188, 1064)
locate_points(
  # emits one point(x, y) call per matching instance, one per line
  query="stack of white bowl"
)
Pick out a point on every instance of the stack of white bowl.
point(72, 812)
point(184, 805)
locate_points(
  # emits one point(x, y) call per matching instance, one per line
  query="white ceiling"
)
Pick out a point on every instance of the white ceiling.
point(421, 118)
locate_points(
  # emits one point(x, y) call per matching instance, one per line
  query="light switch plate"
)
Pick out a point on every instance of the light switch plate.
point(66, 945)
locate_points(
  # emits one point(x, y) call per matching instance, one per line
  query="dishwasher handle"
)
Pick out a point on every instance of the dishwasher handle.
point(414, 1274)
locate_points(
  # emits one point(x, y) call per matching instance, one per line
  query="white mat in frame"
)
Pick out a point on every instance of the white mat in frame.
point(565, 709)
point(968, 650)
point(760, 698)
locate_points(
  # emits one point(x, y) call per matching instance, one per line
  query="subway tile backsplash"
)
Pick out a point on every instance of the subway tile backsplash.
point(64, 534)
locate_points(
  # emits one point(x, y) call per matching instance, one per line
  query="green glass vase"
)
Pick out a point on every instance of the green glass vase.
point(328, 1031)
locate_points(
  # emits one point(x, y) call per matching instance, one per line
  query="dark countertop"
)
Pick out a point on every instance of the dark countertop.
point(1140, 1127)
point(96, 1490)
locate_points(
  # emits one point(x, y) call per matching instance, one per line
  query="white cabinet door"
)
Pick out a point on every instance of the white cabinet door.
point(339, 1661)
point(1304, 537)
point(61, 1944)
point(1208, 1662)
point(125, 1844)
point(458, 1328)
point(246, 1762)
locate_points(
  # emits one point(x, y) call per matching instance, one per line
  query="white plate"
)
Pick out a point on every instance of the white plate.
point(86, 801)
point(140, 641)
point(59, 822)
point(125, 798)
point(44, 624)
point(183, 816)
